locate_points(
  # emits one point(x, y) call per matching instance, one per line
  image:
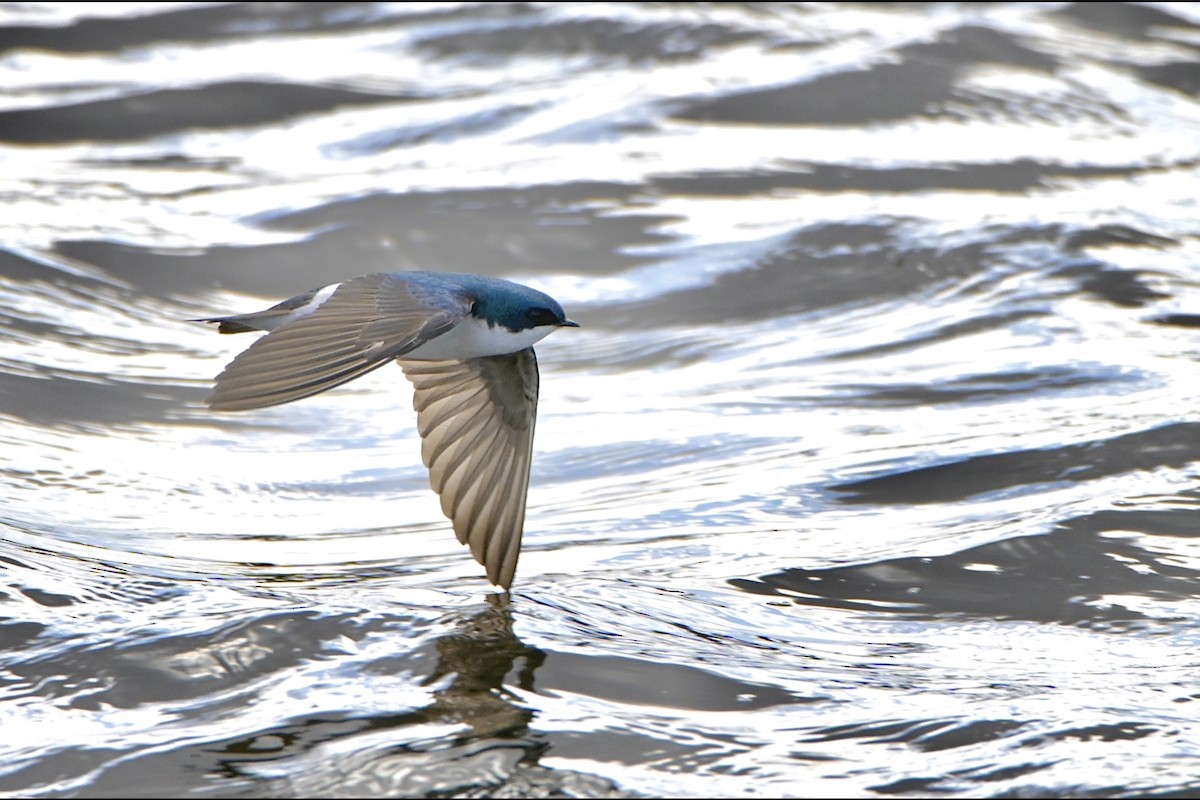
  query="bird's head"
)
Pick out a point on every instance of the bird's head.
point(519, 308)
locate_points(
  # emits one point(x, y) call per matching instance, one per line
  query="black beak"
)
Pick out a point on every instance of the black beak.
point(566, 323)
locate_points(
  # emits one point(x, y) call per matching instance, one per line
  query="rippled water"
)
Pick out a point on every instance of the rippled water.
point(874, 469)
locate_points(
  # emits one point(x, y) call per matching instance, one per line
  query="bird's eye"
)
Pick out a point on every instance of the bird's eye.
point(541, 316)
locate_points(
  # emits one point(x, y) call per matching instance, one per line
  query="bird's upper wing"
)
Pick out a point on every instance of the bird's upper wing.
point(476, 419)
point(364, 324)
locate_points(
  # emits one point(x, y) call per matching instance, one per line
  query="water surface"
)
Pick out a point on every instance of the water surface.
point(874, 469)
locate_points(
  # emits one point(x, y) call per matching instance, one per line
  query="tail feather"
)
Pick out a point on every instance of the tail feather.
point(228, 325)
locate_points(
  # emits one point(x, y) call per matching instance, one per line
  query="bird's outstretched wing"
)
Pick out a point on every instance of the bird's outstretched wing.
point(476, 419)
point(364, 324)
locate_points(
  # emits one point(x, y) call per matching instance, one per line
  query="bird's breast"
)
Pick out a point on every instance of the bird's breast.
point(474, 338)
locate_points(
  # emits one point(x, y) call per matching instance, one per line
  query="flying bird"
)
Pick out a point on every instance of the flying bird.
point(466, 344)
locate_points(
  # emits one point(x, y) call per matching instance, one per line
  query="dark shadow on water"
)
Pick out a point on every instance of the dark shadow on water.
point(234, 104)
point(628, 39)
point(1175, 446)
point(922, 81)
point(1180, 320)
point(877, 260)
point(1129, 20)
point(529, 230)
point(1018, 176)
point(1065, 577)
point(207, 22)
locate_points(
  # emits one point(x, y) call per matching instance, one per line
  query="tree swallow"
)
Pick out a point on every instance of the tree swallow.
point(465, 342)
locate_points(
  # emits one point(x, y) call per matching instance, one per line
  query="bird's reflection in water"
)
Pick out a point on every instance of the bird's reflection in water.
point(479, 655)
point(472, 738)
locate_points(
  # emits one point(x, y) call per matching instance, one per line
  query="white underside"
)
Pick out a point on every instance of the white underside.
point(474, 338)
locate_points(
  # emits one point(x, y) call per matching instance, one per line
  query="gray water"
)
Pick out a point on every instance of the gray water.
point(874, 469)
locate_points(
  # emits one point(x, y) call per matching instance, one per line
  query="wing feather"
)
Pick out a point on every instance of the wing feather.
point(476, 418)
point(365, 323)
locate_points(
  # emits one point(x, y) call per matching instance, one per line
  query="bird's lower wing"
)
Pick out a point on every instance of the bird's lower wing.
point(476, 419)
point(365, 323)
